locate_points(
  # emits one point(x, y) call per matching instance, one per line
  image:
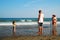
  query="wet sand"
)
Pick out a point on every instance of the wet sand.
point(31, 38)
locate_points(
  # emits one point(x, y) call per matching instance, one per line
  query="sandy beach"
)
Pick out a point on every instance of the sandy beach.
point(31, 38)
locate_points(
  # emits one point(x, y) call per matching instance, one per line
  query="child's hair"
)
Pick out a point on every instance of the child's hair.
point(13, 22)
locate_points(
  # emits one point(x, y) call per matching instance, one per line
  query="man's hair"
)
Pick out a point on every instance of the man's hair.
point(39, 11)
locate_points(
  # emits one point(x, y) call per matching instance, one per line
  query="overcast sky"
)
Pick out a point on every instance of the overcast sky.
point(28, 8)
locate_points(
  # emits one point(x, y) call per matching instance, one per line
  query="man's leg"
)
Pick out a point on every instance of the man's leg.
point(41, 29)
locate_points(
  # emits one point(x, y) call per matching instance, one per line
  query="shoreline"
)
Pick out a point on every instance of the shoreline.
point(31, 38)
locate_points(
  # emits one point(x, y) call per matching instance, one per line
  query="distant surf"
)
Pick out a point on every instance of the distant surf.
point(25, 21)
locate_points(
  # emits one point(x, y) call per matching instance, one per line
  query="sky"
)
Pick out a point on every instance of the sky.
point(29, 8)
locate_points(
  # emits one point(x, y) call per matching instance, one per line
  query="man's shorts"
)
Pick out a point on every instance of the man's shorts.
point(40, 24)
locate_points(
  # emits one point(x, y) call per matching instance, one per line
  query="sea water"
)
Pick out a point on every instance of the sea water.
point(25, 26)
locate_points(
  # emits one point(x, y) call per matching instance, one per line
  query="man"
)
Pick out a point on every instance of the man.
point(40, 21)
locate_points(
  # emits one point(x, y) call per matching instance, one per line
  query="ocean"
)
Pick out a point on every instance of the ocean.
point(26, 26)
point(24, 19)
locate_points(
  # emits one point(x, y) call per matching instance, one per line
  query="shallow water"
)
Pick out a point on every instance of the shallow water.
point(26, 30)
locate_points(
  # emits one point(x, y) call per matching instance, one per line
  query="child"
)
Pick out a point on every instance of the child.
point(14, 26)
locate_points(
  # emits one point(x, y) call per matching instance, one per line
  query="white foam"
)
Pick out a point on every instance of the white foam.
point(29, 20)
point(22, 20)
point(24, 23)
point(5, 23)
